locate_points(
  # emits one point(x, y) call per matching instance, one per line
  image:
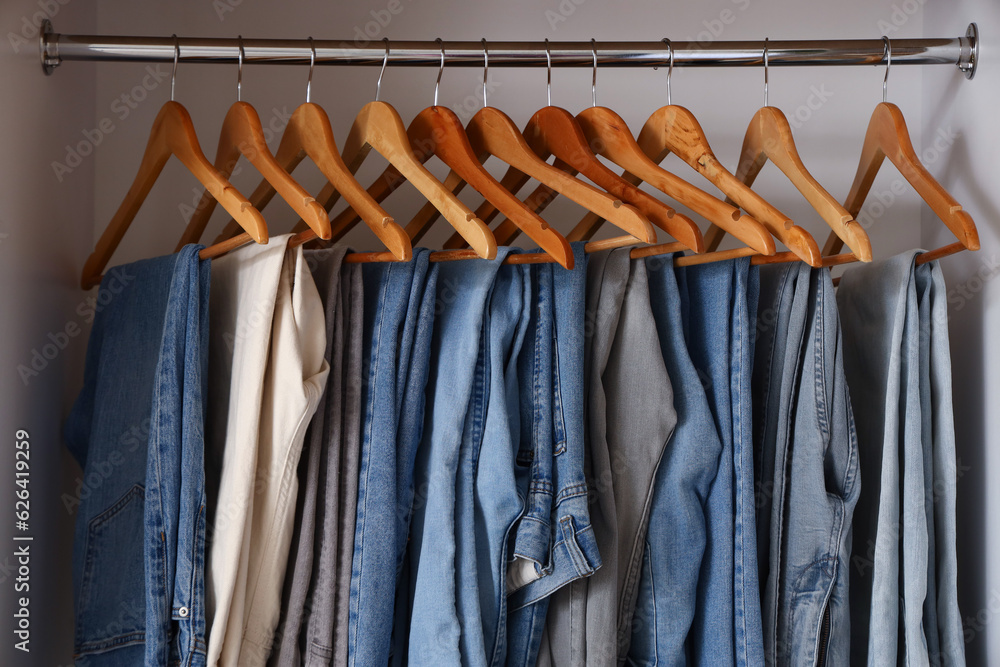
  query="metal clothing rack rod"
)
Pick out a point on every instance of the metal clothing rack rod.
point(959, 51)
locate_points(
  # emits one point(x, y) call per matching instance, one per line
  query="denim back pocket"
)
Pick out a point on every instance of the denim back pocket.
point(111, 609)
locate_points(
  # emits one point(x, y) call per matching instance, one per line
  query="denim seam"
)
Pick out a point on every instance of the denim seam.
point(558, 418)
point(107, 645)
point(572, 491)
point(356, 592)
point(773, 583)
point(154, 452)
point(568, 531)
point(634, 564)
point(827, 593)
point(738, 539)
point(819, 357)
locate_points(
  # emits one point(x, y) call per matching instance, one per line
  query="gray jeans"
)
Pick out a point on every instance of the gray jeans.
point(631, 419)
point(899, 371)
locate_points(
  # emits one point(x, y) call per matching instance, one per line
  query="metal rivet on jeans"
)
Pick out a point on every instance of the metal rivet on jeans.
point(182, 612)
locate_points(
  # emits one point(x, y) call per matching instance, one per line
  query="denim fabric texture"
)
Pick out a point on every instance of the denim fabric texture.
point(896, 376)
point(529, 549)
point(942, 469)
point(390, 319)
point(138, 426)
point(463, 292)
point(487, 503)
point(718, 306)
point(416, 357)
point(675, 539)
point(808, 479)
point(590, 621)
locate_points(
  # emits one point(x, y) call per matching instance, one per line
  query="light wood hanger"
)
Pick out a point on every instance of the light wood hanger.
point(438, 131)
point(675, 129)
point(243, 134)
point(378, 126)
point(554, 131)
point(172, 134)
point(769, 137)
point(887, 136)
point(309, 134)
point(610, 137)
point(491, 132)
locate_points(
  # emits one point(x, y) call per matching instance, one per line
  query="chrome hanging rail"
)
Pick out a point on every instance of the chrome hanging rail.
point(960, 51)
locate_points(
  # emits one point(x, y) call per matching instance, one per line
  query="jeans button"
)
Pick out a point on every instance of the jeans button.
point(183, 612)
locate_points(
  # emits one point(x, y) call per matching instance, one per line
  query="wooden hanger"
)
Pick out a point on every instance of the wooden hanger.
point(887, 136)
point(675, 129)
point(769, 137)
point(438, 131)
point(309, 133)
point(172, 134)
point(378, 126)
point(610, 137)
point(243, 134)
point(491, 132)
point(554, 131)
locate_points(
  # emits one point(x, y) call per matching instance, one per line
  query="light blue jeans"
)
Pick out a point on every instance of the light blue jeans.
point(675, 540)
point(487, 503)
point(807, 457)
point(884, 360)
point(463, 290)
point(391, 320)
point(137, 430)
point(718, 308)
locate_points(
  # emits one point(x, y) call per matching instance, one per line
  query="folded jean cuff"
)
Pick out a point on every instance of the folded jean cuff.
point(574, 556)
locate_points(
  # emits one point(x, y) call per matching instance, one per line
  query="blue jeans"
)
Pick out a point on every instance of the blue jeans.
point(573, 547)
point(807, 457)
point(463, 293)
point(395, 316)
point(881, 318)
point(487, 501)
point(718, 308)
point(415, 367)
point(675, 540)
point(137, 429)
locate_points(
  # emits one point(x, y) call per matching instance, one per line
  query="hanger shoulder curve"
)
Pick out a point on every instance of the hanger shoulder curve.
point(242, 134)
point(554, 131)
point(378, 126)
point(769, 137)
point(441, 132)
point(674, 129)
point(887, 136)
point(608, 133)
point(172, 134)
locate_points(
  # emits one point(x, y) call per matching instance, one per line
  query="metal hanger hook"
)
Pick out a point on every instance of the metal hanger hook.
point(888, 66)
point(385, 61)
point(239, 72)
point(670, 66)
point(765, 71)
point(173, 73)
point(593, 83)
point(440, 71)
point(548, 75)
point(486, 69)
point(312, 66)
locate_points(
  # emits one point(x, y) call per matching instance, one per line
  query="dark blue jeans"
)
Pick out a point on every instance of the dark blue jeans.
point(137, 429)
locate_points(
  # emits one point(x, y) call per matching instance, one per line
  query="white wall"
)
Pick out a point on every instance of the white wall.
point(50, 224)
point(966, 111)
point(46, 228)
